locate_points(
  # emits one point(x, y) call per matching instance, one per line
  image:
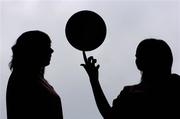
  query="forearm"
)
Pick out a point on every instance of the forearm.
point(100, 98)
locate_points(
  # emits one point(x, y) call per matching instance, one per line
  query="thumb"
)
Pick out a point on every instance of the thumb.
point(98, 66)
point(83, 65)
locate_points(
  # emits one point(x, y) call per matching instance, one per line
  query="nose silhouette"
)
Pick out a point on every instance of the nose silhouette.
point(51, 50)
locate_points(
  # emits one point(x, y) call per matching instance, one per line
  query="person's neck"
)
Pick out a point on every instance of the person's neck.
point(153, 78)
point(29, 72)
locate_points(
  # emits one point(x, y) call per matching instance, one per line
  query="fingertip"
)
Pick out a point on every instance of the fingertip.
point(90, 58)
point(98, 66)
point(94, 61)
point(82, 65)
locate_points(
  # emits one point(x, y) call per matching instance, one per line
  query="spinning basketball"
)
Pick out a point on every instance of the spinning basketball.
point(85, 30)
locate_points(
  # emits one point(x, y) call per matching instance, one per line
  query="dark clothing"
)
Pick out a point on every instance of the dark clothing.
point(142, 101)
point(32, 98)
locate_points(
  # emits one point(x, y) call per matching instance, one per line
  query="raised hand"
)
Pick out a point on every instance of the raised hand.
point(91, 67)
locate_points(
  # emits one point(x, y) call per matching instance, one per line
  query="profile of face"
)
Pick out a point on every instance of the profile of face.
point(45, 54)
point(32, 49)
point(153, 55)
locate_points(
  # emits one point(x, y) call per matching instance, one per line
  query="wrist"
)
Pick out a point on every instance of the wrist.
point(94, 80)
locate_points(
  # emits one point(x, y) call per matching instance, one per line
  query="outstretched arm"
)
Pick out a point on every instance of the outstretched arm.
point(100, 98)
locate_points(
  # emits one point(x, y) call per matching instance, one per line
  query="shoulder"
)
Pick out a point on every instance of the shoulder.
point(175, 77)
point(134, 89)
point(128, 92)
point(175, 81)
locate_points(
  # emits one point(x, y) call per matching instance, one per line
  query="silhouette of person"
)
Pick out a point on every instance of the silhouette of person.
point(156, 96)
point(29, 95)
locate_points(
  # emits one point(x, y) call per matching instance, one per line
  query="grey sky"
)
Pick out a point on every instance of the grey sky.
point(128, 22)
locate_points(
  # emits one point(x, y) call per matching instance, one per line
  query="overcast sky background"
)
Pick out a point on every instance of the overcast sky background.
point(128, 22)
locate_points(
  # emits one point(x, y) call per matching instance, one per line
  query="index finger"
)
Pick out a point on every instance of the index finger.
point(85, 57)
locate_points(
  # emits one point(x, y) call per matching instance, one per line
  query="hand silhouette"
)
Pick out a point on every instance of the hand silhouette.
point(91, 67)
point(93, 72)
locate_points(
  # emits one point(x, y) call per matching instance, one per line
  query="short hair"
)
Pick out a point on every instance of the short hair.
point(155, 52)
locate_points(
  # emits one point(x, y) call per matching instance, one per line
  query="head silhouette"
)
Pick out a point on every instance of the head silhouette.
point(154, 56)
point(32, 50)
